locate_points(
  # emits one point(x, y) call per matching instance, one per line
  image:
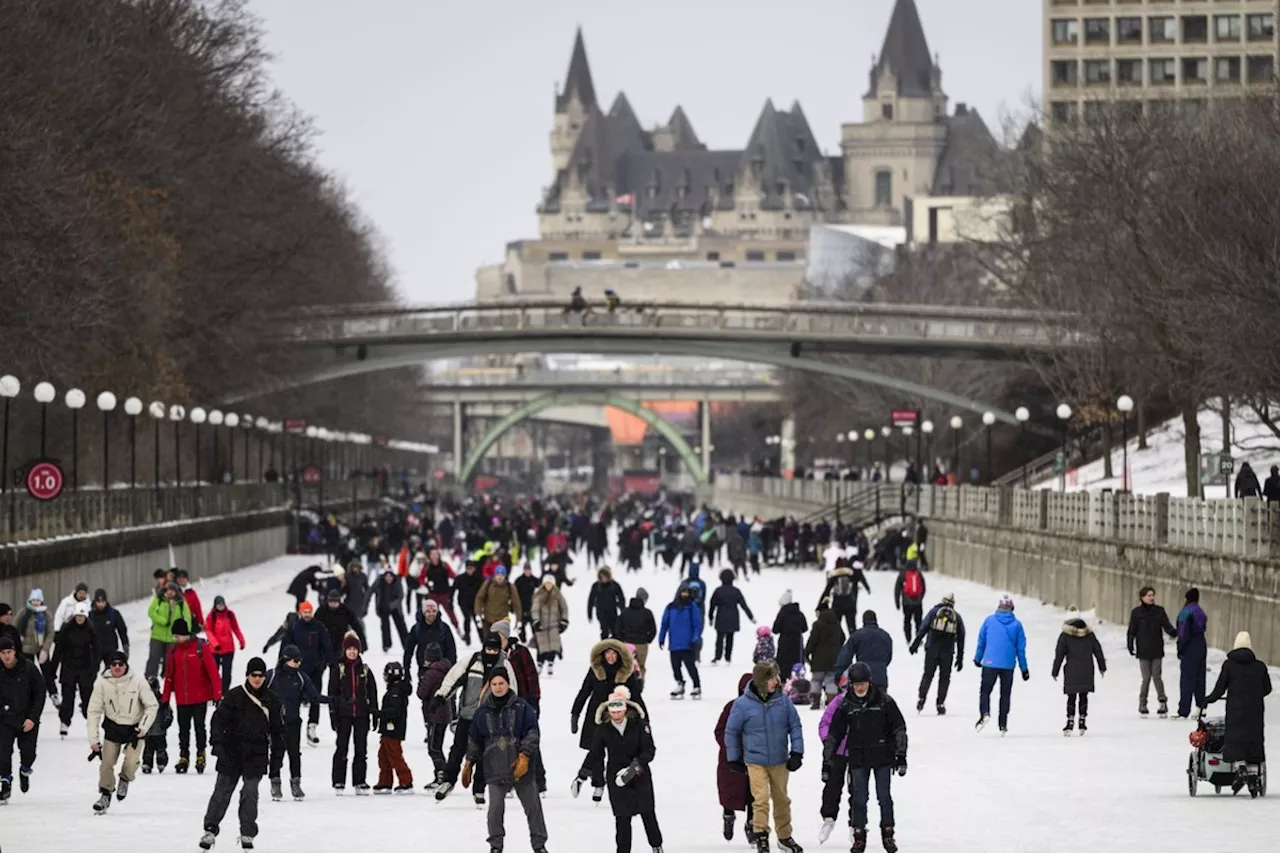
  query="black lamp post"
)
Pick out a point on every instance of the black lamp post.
point(1125, 405)
point(957, 424)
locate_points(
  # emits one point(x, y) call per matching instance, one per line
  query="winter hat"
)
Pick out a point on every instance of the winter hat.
point(503, 628)
point(5, 609)
point(351, 641)
point(1243, 641)
point(81, 609)
point(760, 675)
point(180, 628)
point(291, 652)
point(949, 599)
point(1005, 604)
point(621, 692)
point(859, 673)
point(306, 607)
point(82, 587)
point(797, 669)
point(99, 595)
point(432, 652)
point(429, 604)
point(786, 599)
point(492, 643)
point(37, 594)
point(117, 657)
point(548, 581)
point(499, 672)
point(219, 601)
point(501, 571)
point(256, 665)
point(763, 631)
point(643, 595)
point(334, 595)
point(6, 643)
point(1193, 596)
point(869, 618)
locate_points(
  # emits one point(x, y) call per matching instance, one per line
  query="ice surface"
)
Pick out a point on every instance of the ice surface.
point(1122, 787)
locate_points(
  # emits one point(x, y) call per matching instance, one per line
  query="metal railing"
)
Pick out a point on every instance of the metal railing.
point(675, 378)
point(1247, 528)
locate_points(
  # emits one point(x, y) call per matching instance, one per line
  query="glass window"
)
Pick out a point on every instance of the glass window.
point(1063, 111)
point(558, 256)
point(884, 188)
point(1097, 31)
point(1163, 71)
point(886, 111)
point(1129, 72)
point(755, 256)
point(1063, 72)
point(1129, 30)
point(1094, 110)
point(590, 256)
point(1227, 69)
point(1195, 28)
point(1163, 29)
point(786, 256)
point(1066, 31)
point(1262, 27)
point(1097, 71)
point(1262, 69)
point(1226, 28)
point(1195, 69)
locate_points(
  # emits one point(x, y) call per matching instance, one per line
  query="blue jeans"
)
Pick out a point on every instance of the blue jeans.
point(989, 677)
point(861, 777)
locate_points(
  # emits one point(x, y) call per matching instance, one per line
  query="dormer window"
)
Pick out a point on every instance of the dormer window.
point(886, 111)
point(800, 144)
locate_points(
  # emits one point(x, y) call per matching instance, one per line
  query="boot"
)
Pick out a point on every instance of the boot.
point(1069, 727)
point(246, 843)
point(859, 840)
point(678, 693)
point(277, 790)
point(208, 839)
point(312, 738)
point(295, 788)
point(122, 789)
point(104, 801)
point(200, 761)
point(183, 763)
point(162, 760)
point(6, 788)
point(920, 704)
point(790, 845)
point(886, 838)
point(762, 842)
point(728, 826)
point(1163, 710)
point(1082, 727)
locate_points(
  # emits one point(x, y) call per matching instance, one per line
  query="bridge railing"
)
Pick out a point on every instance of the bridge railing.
point(489, 377)
point(1247, 528)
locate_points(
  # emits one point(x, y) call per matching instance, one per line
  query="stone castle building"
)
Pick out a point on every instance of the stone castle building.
point(656, 214)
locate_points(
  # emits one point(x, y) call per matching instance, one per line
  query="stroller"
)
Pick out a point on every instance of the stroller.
point(1207, 764)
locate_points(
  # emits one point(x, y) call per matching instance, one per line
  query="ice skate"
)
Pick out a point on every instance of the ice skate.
point(551, 667)
point(246, 843)
point(379, 790)
point(541, 666)
point(1082, 727)
point(919, 704)
point(312, 739)
point(1143, 712)
point(183, 763)
point(678, 693)
point(478, 799)
point(362, 790)
point(277, 791)
point(200, 761)
point(828, 824)
point(162, 760)
point(6, 789)
point(443, 791)
point(146, 768)
point(749, 831)
point(728, 826)
point(887, 839)
point(1004, 730)
point(859, 840)
point(982, 722)
point(941, 709)
point(404, 789)
point(338, 789)
point(24, 779)
point(103, 803)
point(62, 730)
point(295, 789)
point(209, 839)
point(790, 845)
point(1163, 710)
point(696, 694)
point(122, 789)
point(597, 794)
point(1069, 727)
point(762, 842)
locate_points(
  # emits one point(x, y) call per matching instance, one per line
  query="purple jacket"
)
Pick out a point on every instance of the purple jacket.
point(1192, 622)
point(824, 725)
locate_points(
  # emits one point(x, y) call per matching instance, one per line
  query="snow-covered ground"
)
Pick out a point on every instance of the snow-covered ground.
point(1122, 787)
point(1162, 466)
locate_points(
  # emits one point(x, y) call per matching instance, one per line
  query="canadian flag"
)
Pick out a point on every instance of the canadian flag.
point(624, 200)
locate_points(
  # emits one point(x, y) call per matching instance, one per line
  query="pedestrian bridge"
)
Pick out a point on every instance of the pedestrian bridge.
point(712, 383)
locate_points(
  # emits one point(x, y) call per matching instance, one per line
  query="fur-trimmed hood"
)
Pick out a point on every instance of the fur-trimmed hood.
point(1076, 627)
point(634, 712)
point(840, 572)
point(626, 662)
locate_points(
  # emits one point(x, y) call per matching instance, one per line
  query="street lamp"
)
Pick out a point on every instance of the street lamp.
point(246, 423)
point(10, 387)
point(262, 424)
point(133, 408)
point(215, 420)
point(44, 395)
point(870, 435)
point(988, 420)
point(198, 417)
point(1023, 414)
point(106, 404)
point(231, 421)
point(75, 402)
point(956, 425)
point(1125, 405)
point(157, 412)
point(1064, 414)
point(926, 429)
point(177, 414)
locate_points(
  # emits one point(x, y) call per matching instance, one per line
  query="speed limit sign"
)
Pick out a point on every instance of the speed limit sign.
point(45, 480)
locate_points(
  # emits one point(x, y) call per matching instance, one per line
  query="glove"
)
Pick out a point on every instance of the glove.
point(94, 754)
point(575, 787)
point(977, 663)
point(573, 724)
point(1133, 653)
point(1026, 675)
point(794, 762)
point(826, 773)
point(901, 765)
point(959, 664)
point(737, 767)
point(628, 774)
point(265, 649)
point(562, 625)
point(537, 625)
point(521, 766)
point(913, 648)
point(466, 774)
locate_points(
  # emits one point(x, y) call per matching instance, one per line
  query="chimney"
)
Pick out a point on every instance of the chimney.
point(962, 109)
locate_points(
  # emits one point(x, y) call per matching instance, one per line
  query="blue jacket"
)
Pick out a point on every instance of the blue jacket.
point(763, 732)
point(1001, 640)
point(871, 645)
point(683, 622)
point(697, 586)
point(312, 639)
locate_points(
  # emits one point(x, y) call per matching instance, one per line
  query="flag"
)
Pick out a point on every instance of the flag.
point(624, 200)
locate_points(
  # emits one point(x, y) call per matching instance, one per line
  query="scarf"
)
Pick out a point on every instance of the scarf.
point(255, 700)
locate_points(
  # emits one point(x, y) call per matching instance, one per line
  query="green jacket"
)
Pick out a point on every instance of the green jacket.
point(164, 613)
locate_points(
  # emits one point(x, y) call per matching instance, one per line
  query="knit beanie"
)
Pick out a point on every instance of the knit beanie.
point(257, 665)
point(180, 628)
point(219, 601)
point(859, 673)
point(1243, 641)
point(643, 595)
point(786, 599)
point(351, 641)
point(503, 628)
point(432, 652)
point(291, 652)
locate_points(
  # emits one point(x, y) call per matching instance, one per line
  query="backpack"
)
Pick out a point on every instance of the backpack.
point(844, 587)
point(944, 621)
point(912, 586)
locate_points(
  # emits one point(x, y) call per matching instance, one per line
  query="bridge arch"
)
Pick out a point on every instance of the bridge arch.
point(603, 398)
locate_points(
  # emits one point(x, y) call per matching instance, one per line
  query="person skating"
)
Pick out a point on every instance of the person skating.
point(682, 627)
point(1193, 651)
point(611, 665)
point(291, 685)
point(7, 628)
point(733, 788)
point(763, 739)
point(790, 626)
point(766, 648)
point(942, 633)
point(438, 577)
point(389, 605)
point(821, 653)
point(874, 732)
point(723, 615)
point(1147, 622)
point(908, 596)
point(436, 713)
point(311, 638)
point(550, 614)
point(22, 696)
point(392, 723)
point(357, 592)
point(353, 705)
point(527, 685)
point(467, 586)
point(36, 628)
point(122, 709)
point(191, 678)
point(606, 601)
point(223, 630)
point(168, 607)
point(501, 741)
point(841, 591)
point(75, 662)
point(624, 745)
point(1001, 644)
point(497, 599)
point(1078, 647)
point(247, 725)
point(835, 771)
point(871, 645)
point(637, 627)
point(304, 582)
point(183, 579)
point(109, 625)
point(1245, 682)
point(429, 628)
point(155, 750)
point(526, 585)
point(339, 619)
point(67, 606)
point(470, 677)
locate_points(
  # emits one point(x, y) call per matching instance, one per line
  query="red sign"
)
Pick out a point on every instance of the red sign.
point(45, 481)
point(295, 425)
point(312, 475)
point(904, 417)
point(380, 440)
point(439, 474)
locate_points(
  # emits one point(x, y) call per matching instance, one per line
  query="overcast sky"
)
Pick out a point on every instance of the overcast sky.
point(437, 114)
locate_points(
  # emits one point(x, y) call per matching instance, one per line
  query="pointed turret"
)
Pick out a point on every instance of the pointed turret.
point(579, 79)
point(682, 131)
point(906, 55)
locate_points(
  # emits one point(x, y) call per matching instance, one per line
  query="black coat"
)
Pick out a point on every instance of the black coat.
point(243, 732)
point(1146, 623)
point(423, 634)
point(76, 649)
point(352, 691)
point(725, 602)
point(388, 598)
point(871, 645)
point(110, 627)
point(825, 641)
point(394, 718)
point(1078, 646)
point(305, 580)
point(841, 591)
point(358, 593)
point(872, 727)
point(790, 626)
point(526, 586)
point(290, 687)
point(467, 585)
point(599, 682)
point(606, 601)
point(338, 621)
point(636, 625)
point(312, 639)
point(633, 743)
point(438, 580)
point(1244, 680)
point(22, 693)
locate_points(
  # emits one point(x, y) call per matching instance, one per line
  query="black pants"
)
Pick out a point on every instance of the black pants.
point(224, 666)
point(1071, 705)
point(26, 742)
point(651, 830)
point(349, 728)
point(990, 676)
point(724, 645)
point(188, 714)
point(317, 678)
point(156, 751)
point(468, 620)
point(386, 619)
point(685, 657)
point(850, 617)
point(457, 752)
point(912, 613)
point(833, 788)
point(220, 801)
point(435, 745)
point(607, 626)
point(292, 746)
point(71, 680)
point(938, 657)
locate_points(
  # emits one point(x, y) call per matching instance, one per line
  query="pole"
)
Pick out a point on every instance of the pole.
point(4, 464)
point(1022, 442)
point(231, 454)
point(989, 469)
point(261, 451)
point(324, 474)
point(106, 469)
point(955, 440)
point(44, 427)
point(157, 458)
point(177, 456)
point(75, 450)
point(133, 452)
point(246, 453)
point(197, 457)
point(1124, 471)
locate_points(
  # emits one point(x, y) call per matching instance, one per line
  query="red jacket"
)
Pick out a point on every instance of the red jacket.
point(221, 628)
point(557, 542)
point(190, 674)
point(197, 613)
